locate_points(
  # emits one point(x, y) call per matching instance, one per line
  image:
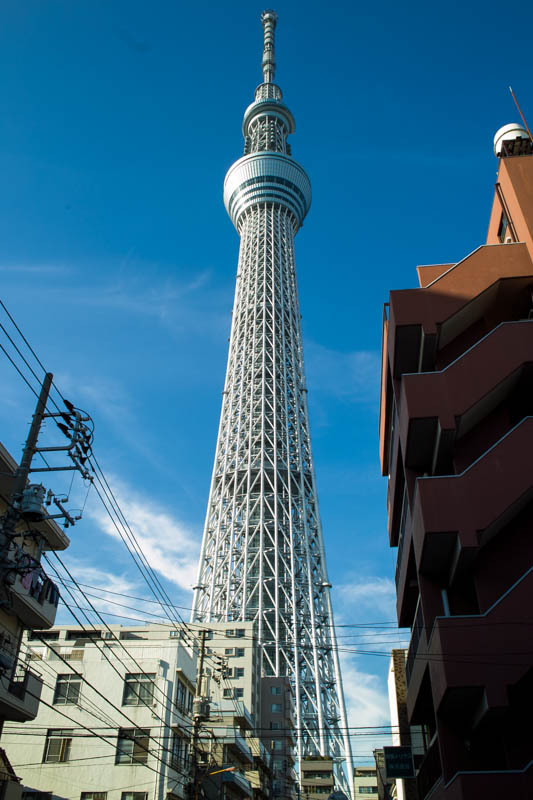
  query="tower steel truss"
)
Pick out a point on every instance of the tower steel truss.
point(262, 553)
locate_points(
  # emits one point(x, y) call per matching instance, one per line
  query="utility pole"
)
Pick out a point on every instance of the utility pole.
point(200, 713)
point(12, 515)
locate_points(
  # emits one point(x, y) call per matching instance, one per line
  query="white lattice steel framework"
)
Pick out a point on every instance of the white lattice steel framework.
point(262, 553)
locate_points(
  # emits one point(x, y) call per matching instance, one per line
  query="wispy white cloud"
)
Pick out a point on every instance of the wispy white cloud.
point(352, 376)
point(366, 630)
point(375, 594)
point(170, 547)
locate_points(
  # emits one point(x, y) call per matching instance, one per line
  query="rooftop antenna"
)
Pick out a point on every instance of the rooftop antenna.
point(520, 112)
point(268, 20)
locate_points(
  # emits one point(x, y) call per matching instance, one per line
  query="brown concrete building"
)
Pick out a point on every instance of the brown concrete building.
point(456, 433)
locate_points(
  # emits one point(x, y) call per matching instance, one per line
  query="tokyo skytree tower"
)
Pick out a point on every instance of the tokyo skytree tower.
point(262, 553)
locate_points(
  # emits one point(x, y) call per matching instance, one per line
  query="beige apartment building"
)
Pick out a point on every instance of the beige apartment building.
point(115, 718)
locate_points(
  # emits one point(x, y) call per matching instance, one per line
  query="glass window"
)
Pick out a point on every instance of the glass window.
point(275, 690)
point(275, 708)
point(239, 692)
point(239, 651)
point(134, 796)
point(138, 689)
point(57, 745)
point(183, 697)
point(132, 746)
point(504, 224)
point(277, 744)
point(230, 632)
point(368, 790)
point(275, 726)
point(228, 651)
point(67, 691)
point(240, 632)
point(179, 756)
point(239, 672)
point(93, 796)
point(227, 693)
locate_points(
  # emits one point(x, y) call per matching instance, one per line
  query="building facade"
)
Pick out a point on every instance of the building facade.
point(263, 556)
point(365, 783)
point(455, 423)
point(28, 599)
point(403, 734)
point(114, 722)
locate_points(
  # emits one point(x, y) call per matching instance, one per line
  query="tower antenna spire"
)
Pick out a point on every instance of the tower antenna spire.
point(268, 20)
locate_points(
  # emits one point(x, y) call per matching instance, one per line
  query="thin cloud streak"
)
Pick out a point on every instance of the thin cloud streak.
point(169, 546)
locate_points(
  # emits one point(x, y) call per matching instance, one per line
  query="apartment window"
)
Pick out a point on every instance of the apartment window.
point(277, 744)
point(93, 796)
point(504, 225)
point(134, 796)
point(239, 692)
point(138, 689)
point(275, 690)
point(57, 745)
point(368, 789)
point(275, 726)
point(67, 691)
point(275, 708)
point(239, 651)
point(132, 746)
point(179, 754)
point(239, 672)
point(228, 651)
point(240, 633)
point(35, 794)
point(51, 636)
point(183, 697)
point(227, 693)
point(230, 632)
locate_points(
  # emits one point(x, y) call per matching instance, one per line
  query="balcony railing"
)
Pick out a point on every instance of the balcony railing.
point(416, 633)
point(20, 689)
point(35, 598)
point(238, 781)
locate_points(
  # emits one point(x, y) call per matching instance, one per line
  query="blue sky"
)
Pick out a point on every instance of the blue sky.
point(118, 123)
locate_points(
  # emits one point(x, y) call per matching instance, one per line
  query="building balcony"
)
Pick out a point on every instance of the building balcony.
point(34, 599)
point(236, 710)
point(492, 783)
point(422, 321)
point(20, 692)
point(430, 770)
point(454, 516)
point(473, 659)
point(259, 783)
point(237, 782)
point(235, 742)
point(438, 408)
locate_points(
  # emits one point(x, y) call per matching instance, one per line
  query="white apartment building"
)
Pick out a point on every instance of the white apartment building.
point(114, 721)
